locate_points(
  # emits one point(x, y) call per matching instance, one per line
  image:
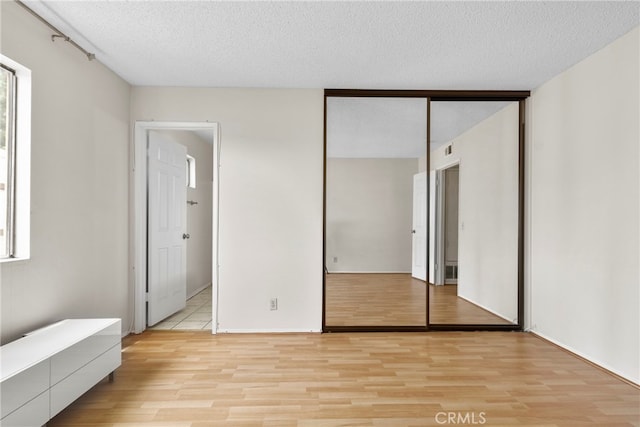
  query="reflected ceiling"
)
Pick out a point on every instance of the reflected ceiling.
point(376, 127)
point(450, 119)
point(396, 128)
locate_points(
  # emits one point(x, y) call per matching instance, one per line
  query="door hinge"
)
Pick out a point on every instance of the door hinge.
point(146, 297)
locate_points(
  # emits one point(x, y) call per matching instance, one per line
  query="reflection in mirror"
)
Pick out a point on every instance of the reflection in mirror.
point(473, 241)
point(375, 219)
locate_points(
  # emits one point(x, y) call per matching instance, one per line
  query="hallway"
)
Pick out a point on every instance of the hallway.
point(195, 316)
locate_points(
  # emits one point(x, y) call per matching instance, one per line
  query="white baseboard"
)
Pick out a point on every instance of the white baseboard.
point(487, 309)
point(591, 359)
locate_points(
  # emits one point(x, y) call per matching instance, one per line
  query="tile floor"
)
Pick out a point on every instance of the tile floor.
point(196, 315)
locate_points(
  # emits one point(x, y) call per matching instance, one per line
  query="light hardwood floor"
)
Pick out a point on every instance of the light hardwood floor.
point(447, 307)
point(396, 299)
point(374, 299)
point(195, 379)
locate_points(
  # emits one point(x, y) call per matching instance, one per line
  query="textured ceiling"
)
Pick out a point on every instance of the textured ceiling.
point(399, 45)
point(371, 45)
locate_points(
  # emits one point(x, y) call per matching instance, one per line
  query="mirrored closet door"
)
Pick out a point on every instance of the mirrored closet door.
point(474, 172)
point(375, 218)
point(423, 210)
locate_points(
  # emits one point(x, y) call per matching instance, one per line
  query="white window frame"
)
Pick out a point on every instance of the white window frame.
point(22, 161)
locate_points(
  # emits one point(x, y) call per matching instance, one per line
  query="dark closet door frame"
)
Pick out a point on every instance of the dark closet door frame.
point(429, 96)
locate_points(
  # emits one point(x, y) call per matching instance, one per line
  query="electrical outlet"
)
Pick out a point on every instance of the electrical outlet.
point(273, 304)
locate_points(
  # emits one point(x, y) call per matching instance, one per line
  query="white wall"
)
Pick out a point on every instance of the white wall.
point(270, 198)
point(422, 164)
point(488, 211)
point(583, 214)
point(199, 219)
point(369, 215)
point(79, 185)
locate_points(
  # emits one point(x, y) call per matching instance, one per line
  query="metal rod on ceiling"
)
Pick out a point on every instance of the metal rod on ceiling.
point(90, 56)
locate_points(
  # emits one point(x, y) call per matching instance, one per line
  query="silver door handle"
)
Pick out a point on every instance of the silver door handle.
point(185, 236)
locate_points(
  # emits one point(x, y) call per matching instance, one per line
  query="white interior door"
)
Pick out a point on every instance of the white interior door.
point(167, 213)
point(419, 248)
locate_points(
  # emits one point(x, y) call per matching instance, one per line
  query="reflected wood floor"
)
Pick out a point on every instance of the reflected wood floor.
point(396, 299)
point(374, 299)
point(195, 379)
point(448, 307)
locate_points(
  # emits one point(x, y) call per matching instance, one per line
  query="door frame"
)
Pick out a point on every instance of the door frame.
point(438, 256)
point(139, 232)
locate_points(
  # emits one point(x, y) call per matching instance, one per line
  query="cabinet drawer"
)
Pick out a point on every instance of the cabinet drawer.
point(72, 387)
point(73, 358)
point(34, 413)
point(22, 387)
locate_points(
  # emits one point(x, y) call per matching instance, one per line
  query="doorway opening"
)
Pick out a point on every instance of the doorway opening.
point(447, 225)
point(150, 207)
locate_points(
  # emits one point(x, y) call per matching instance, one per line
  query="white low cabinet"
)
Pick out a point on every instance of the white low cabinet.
point(44, 371)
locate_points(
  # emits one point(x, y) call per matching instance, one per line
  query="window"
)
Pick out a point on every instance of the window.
point(7, 160)
point(15, 169)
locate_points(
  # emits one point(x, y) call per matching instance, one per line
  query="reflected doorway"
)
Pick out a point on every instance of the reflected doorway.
point(447, 196)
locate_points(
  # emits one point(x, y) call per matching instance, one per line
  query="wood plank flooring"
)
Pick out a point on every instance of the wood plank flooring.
point(195, 379)
point(396, 299)
point(374, 299)
point(448, 307)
